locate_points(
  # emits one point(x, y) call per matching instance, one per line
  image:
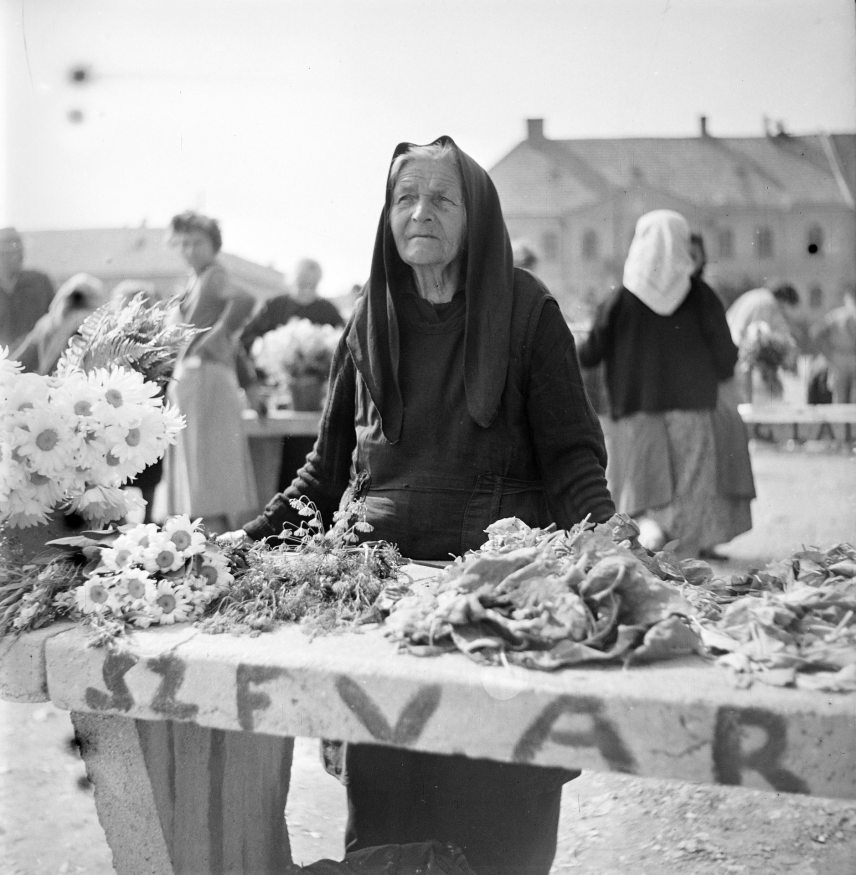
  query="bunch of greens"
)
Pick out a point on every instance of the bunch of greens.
point(31, 591)
point(548, 599)
point(791, 624)
point(325, 579)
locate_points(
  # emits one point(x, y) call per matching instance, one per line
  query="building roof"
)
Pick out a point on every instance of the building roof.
point(115, 254)
point(776, 171)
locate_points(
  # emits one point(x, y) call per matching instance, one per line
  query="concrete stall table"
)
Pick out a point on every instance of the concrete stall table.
point(800, 423)
point(187, 736)
point(266, 436)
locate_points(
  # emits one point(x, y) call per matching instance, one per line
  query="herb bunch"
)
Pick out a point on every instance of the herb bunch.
point(325, 579)
point(31, 593)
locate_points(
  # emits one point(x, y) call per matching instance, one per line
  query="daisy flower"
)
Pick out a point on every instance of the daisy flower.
point(122, 388)
point(80, 394)
point(25, 508)
point(172, 603)
point(13, 474)
point(92, 453)
point(138, 536)
point(96, 595)
point(184, 534)
point(102, 470)
point(130, 448)
point(135, 585)
point(27, 496)
point(162, 555)
point(46, 440)
point(153, 431)
point(173, 419)
point(26, 391)
point(119, 557)
point(51, 490)
point(214, 569)
point(100, 503)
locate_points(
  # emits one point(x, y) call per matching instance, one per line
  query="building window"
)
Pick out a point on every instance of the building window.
point(725, 242)
point(763, 242)
point(550, 246)
point(590, 245)
point(815, 298)
point(815, 240)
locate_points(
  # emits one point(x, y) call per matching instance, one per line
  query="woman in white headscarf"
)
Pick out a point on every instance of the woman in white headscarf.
point(666, 345)
point(75, 300)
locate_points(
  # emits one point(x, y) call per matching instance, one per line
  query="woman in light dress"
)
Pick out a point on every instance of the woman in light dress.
point(209, 473)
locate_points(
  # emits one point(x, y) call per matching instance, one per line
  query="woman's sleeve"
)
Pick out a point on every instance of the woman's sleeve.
point(717, 335)
point(324, 476)
point(594, 348)
point(27, 351)
point(238, 305)
point(566, 432)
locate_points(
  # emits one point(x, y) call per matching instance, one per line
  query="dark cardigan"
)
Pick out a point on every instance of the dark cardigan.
point(546, 430)
point(656, 363)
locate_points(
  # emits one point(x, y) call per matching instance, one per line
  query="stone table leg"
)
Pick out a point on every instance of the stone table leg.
point(180, 798)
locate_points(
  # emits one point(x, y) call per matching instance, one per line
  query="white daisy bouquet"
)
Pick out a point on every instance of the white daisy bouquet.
point(151, 575)
point(130, 576)
point(70, 442)
point(299, 348)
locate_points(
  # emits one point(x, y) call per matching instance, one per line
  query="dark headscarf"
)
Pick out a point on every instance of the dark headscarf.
point(488, 283)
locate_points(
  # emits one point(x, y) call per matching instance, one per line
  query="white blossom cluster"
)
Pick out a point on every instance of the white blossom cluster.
point(151, 575)
point(71, 442)
point(297, 349)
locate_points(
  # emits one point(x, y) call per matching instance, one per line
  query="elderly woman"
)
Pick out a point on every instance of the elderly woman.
point(675, 461)
point(208, 473)
point(455, 400)
point(76, 299)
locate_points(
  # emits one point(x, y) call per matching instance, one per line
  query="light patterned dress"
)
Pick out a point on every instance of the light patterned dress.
point(680, 489)
point(209, 471)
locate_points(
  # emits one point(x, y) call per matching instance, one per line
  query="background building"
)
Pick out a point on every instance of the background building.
point(114, 254)
point(778, 205)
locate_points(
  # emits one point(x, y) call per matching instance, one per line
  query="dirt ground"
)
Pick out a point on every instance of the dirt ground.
point(611, 824)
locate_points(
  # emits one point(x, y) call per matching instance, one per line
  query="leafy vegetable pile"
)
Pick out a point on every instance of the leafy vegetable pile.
point(792, 624)
point(546, 599)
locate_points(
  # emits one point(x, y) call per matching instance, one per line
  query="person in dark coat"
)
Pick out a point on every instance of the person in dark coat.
point(456, 399)
point(304, 303)
point(25, 295)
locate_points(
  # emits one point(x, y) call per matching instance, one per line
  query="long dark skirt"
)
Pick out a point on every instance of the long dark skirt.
point(503, 817)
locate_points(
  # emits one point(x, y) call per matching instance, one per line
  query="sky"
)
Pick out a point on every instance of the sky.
point(279, 117)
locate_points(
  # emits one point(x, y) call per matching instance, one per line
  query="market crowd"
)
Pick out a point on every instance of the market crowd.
point(457, 396)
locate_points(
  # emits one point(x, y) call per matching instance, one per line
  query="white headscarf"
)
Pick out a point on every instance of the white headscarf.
point(658, 266)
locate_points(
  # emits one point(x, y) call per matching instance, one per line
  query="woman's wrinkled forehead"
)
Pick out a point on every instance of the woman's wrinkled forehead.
point(436, 175)
point(442, 153)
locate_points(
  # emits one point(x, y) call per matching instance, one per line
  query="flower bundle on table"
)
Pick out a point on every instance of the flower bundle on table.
point(766, 350)
point(299, 348)
point(136, 576)
point(72, 441)
point(146, 575)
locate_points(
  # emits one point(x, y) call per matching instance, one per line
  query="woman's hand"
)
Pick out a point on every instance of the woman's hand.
point(234, 539)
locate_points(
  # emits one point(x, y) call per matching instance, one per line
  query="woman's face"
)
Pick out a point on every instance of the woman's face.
point(427, 215)
point(196, 249)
